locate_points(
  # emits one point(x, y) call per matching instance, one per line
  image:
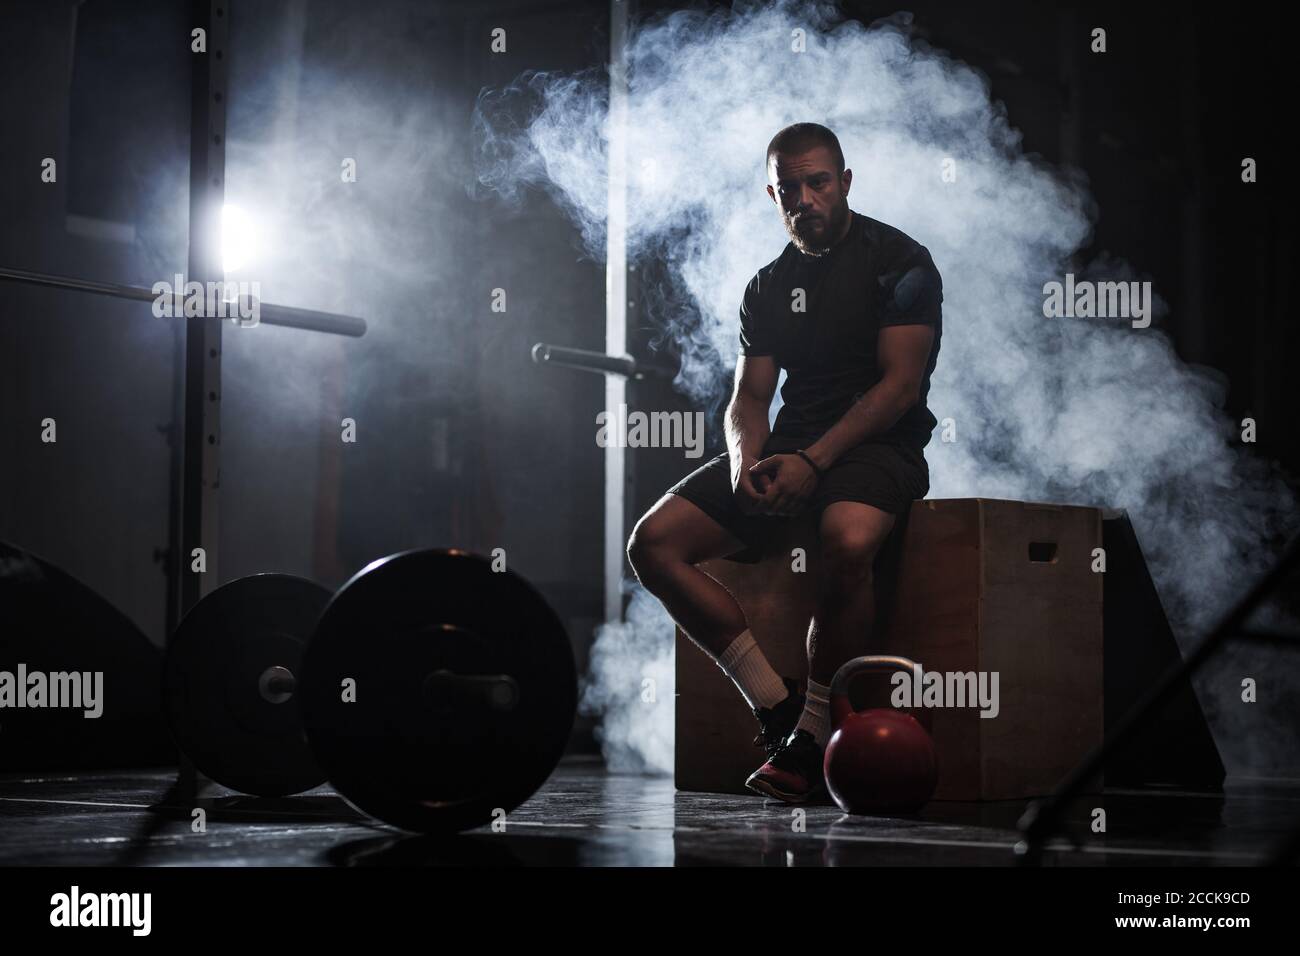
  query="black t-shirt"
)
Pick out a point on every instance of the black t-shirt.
point(874, 277)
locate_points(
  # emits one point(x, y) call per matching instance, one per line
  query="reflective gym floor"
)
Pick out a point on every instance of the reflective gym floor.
point(585, 816)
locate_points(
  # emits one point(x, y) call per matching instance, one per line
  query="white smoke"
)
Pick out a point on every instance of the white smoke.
point(631, 683)
point(1083, 411)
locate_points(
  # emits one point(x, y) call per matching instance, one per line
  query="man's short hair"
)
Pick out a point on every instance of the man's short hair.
point(801, 137)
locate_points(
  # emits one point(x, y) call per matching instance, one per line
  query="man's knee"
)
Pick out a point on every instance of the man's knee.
point(675, 533)
point(649, 545)
point(848, 554)
point(851, 536)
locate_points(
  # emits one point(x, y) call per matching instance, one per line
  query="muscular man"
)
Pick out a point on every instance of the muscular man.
point(851, 311)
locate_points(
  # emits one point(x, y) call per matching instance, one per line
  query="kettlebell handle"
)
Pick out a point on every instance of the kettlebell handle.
point(840, 705)
point(872, 662)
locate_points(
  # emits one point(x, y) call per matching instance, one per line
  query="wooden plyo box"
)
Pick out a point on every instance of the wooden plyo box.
point(965, 584)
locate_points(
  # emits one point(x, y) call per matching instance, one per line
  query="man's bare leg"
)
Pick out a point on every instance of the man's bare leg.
point(664, 549)
point(851, 535)
point(666, 545)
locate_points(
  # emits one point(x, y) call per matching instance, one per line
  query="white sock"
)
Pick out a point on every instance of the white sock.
point(816, 718)
point(744, 663)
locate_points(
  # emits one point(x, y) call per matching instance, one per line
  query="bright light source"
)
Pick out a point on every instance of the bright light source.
point(238, 238)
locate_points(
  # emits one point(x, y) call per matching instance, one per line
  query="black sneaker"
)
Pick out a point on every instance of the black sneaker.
point(775, 723)
point(793, 773)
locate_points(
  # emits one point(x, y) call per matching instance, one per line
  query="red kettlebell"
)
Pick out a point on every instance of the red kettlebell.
point(880, 760)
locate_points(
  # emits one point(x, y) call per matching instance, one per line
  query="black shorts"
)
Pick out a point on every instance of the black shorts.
point(884, 475)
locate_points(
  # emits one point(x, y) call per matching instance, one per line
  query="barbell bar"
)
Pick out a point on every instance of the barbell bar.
point(310, 320)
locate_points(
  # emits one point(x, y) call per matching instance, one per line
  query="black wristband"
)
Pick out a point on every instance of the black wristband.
point(811, 464)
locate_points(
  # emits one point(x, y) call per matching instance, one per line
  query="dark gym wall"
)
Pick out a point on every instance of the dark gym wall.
point(95, 503)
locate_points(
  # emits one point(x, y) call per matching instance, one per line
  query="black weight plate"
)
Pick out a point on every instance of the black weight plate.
point(427, 754)
point(218, 715)
point(53, 623)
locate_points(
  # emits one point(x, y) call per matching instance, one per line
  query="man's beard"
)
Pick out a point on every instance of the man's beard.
point(817, 243)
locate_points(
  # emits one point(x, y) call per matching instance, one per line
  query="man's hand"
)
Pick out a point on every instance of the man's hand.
point(784, 483)
point(747, 494)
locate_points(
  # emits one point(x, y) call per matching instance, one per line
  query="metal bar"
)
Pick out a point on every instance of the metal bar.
point(1043, 817)
point(584, 359)
point(616, 306)
point(588, 361)
point(201, 431)
point(282, 315)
